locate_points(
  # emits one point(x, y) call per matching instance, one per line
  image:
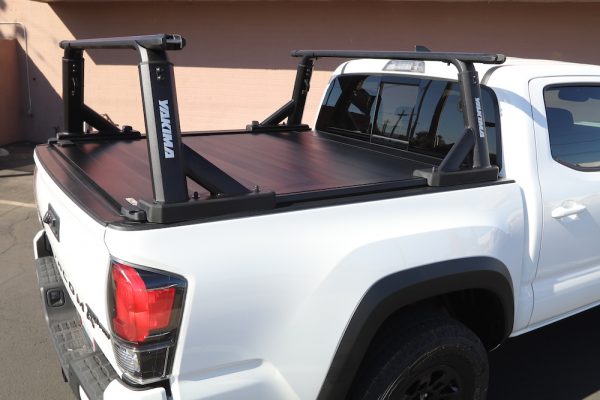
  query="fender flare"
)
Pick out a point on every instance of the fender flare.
point(400, 289)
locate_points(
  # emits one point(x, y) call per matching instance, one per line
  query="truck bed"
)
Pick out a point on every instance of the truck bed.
point(297, 166)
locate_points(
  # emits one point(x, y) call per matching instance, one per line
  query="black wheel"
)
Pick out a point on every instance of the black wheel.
point(431, 358)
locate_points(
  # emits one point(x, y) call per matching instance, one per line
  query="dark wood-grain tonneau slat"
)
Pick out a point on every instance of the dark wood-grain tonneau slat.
point(297, 166)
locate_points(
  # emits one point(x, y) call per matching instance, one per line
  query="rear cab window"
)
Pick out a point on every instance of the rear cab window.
point(409, 113)
point(349, 104)
point(573, 117)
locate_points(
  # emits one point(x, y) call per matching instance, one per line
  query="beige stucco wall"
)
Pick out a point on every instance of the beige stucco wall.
point(307, 1)
point(236, 67)
point(9, 92)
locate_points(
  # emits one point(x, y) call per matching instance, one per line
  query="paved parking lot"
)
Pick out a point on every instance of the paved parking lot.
point(29, 367)
point(559, 362)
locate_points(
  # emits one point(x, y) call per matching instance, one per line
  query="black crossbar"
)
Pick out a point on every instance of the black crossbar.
point(160, 41)
point(484, 58)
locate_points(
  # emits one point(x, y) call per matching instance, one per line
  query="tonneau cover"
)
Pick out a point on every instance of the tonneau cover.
point(297, 166)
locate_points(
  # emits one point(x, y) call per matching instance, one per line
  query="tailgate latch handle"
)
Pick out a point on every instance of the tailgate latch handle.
point(53, 222)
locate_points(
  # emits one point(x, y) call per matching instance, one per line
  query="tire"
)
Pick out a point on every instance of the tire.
point(430, 358)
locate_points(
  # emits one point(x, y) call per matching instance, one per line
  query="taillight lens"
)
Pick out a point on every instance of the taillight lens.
point(146, 314)
point(139, 310)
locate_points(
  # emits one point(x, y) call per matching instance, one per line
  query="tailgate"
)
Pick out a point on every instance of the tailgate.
point(81, 257)
point(80, 296)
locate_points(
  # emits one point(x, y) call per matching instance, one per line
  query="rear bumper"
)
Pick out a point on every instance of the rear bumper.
point(87, 371)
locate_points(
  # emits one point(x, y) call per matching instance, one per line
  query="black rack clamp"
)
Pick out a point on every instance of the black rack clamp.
point(474, 138)
point(170, 160)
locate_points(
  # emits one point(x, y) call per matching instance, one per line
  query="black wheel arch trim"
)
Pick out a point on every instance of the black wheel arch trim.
point(400, 289)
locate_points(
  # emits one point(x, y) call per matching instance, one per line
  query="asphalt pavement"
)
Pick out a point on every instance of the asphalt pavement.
point(29, 367)
point(559, 362)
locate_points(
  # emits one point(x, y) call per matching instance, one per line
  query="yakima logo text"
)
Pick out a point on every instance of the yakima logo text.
point(165, 121)
point(479, 117)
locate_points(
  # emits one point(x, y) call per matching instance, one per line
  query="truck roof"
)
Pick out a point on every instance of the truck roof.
point(520, 68)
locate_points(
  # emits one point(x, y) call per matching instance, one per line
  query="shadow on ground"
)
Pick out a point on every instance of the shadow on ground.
point(560, 361)
point(17, 157)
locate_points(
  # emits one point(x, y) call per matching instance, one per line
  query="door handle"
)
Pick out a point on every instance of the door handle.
point(568, 208)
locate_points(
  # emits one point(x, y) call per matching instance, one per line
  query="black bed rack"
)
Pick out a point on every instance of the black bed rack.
point(474, 138)
point(171, 161)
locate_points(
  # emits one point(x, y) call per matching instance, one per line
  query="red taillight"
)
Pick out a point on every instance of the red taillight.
point(146, 308)
point(139, 311)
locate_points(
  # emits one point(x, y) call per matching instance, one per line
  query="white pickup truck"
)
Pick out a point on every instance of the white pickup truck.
point(442, 203)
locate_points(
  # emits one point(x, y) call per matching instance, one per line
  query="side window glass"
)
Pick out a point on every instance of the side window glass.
point(444, 119)
point(573, 116)
point(349, 105)
point(334, 93)
point(491, 123)
point(428, 106)
point(440, 121)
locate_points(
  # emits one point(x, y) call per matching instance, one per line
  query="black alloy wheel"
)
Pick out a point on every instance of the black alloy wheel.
point(424, 358)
